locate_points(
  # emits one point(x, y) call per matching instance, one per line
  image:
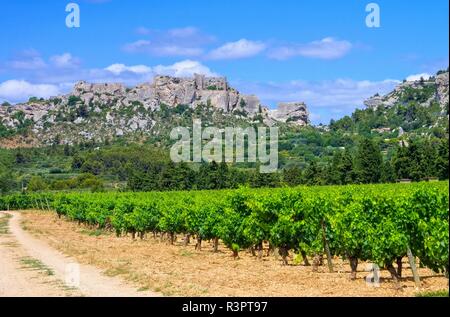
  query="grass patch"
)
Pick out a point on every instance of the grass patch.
point(186, 253)
point(297, 259)
point(4, 224)
point(116, 271)
point(10, 244)
point(143, 289)
point(92, 233)
point(35, 264)
point(441, 293)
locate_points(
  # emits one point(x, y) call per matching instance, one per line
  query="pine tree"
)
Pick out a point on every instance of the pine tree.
point(368, 162)
point(313, 174)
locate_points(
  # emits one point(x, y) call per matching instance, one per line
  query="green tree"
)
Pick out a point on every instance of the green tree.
point(37, 183)
point(442, 160)
point(341, 170)
point(292, 176)
point(368, 162)
point(259, 179)
point(313, 174)
point(7, 181)
point(387, 173)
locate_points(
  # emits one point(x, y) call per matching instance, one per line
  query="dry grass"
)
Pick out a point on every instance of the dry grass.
point(183, 271)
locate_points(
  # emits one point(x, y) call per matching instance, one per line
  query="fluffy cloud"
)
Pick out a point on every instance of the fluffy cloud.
point(159, 49)
point(137, 46)
point(27, 60)
point(118, 69)
point(327, 48)
point(191, 42)
point(184, 69)
point(51, 81)
point(187, 41)
point(235, 50)
point(20, 90)
point(65, 60)
point(417, 77)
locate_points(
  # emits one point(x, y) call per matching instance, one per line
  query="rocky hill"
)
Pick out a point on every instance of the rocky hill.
point(425, 92)
point(413, 108)
point(106, 111)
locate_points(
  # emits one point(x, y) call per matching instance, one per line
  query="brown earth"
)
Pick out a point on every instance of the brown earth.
point(50, 273)
point(22, 275)
point(183, 271)
point(19, 141)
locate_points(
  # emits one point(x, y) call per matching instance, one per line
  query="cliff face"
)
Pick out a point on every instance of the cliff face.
point(172, 91)
point(442, 88)
point(104, 111)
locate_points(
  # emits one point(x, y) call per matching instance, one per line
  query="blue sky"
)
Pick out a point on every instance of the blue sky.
point(320, 52)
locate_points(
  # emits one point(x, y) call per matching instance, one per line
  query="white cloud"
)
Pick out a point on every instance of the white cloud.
point(235, 50)
point(184, 69)
point(54, 81)
point(417, 77)
point(327, 48)
point(118, 69)
point(137, 46)
point(65, 60)
point(186, 42)
point(191, 42)
point(174, 50)
point(143, 73)
point(27, 60)
point(20, 90)
point(158, 49)
point(132, 75)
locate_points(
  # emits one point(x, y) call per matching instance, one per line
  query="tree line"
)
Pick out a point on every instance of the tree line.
point(143, 168)
point(417, 160)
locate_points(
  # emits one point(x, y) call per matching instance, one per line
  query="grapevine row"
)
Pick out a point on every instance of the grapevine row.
point(377, 223)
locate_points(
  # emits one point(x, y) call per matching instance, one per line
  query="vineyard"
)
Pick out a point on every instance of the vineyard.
point(377, 223)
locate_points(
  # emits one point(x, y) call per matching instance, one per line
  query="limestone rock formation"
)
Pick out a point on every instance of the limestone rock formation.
point(374, 102)
point(442, 88)
point(294, 112)
point(99, 111)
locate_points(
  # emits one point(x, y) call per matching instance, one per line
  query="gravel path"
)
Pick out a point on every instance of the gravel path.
point(51, 272)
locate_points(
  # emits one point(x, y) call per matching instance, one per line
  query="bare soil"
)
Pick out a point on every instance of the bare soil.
point(180, 270)
point(21, 275)
point(65, 273)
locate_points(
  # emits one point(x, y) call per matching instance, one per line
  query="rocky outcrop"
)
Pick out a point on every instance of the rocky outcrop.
point(198, 90)
point(436, 89)
point(442, 89)
point(292, 112)
point(94, 111)
point(374, 102)
point(172, 91)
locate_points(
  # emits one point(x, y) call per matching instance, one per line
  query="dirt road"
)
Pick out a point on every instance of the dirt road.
point(29, 267)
